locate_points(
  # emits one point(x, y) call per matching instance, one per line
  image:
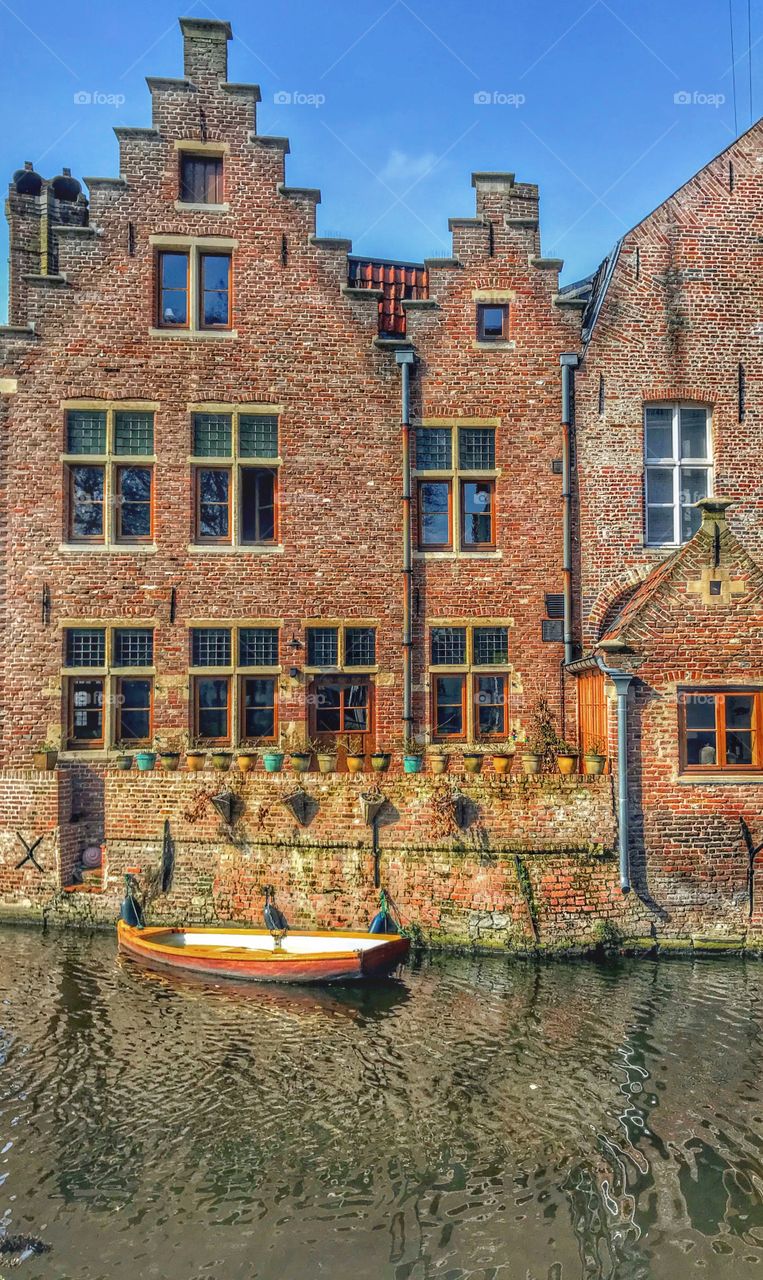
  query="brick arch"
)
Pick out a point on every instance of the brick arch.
point(609, 601)
point(676, 391)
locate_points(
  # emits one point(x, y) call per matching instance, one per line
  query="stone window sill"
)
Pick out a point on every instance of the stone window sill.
point(186, 206)
point(458, 555)
point(193, 335)
point(111, 548)
point(500, 345)
point(199, 549)
point(721, 779)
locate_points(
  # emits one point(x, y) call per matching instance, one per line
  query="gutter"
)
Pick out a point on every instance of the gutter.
point(569, 363)
point(406, 359)
point(621, 681)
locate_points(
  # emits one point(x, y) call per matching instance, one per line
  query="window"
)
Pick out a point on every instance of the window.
point(234, 684)
point(468, 524)
point(201, 178)
point(678, 470)
point(339, 646)
point(109, 468)
point(237, 495)
point(109, 688)
point(492, 322)
point(721, 731)
point(185, 275)
point(473, 700)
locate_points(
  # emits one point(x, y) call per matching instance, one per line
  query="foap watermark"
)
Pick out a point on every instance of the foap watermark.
point(495, 98)
point(696, 98)
point(298, 99)
point(98, 99)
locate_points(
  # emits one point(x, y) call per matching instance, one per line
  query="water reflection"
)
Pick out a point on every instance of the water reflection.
point(476, 1119)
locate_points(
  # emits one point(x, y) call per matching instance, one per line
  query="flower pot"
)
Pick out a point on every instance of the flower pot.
point(221, 760)
point(413, 764)
point(273, 761)
point(196, 760)
point(300, 761)
point(45, 760)
point(327, 761)
point(531, 762)
point(124, 763)
point(170, 760)
point(356, 764)
point(145, 760)
point(472, 762)
point(502, 764)
point(595, 764)
point(438, 763)
point(380, 761)
point(566, 764)
point(246, 763)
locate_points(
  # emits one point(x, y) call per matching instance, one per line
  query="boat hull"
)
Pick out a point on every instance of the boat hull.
point(323, 956)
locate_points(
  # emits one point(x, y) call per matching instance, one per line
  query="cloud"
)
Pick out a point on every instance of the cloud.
point(401, 170)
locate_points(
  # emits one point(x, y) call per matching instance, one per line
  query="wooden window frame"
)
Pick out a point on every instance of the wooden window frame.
point(345, 679)
point(80, 744)
point(505, 309)
point(119, 741)
point(244, 738)
point(479, 733)
point(257, 542)
point(720, 694)
point(204, 539)
point(677, 464)
point(421, 481)
point(463, 676)
point(592, 717)
point(235, 464)
point(222, 673)
point(78, 539)
point(469, 548)
point(471, 671)
point(341, 666)
point(112, 463)
point(161, 254)
point(208, 158)
point(119, 468)
point(200, 259)
point(110, 673)
point(235, 673)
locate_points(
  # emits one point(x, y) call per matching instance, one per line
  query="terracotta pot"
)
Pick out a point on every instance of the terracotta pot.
point(531, 762)
point(300, 761)
point(221, 760)
point(502, 764)
point(246, 763)
point(170, 760)
point(45, 760)
point(595, 764)
point(438, 763)
point(380, 761)
point(472, 762)
point(356, 764)
point(196, 760)
point(566, 764)
point(327, 761)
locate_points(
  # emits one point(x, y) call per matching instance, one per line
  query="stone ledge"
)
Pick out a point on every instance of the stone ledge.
point(242, 90)
point(270, 141)
point(300, 193)
point(359, 294)
point(333, 243)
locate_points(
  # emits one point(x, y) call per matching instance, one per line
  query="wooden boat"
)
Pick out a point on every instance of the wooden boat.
point(251, 955)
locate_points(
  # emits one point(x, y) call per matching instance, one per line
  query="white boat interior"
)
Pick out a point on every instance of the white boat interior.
point(292, 944)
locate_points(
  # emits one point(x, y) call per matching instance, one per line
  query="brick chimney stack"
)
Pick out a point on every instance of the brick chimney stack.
point(205, 50)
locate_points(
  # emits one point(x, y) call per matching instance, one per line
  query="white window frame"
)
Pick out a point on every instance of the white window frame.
point(677, 464)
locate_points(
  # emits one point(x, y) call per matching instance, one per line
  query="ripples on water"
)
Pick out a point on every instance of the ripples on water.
point(479, 1118)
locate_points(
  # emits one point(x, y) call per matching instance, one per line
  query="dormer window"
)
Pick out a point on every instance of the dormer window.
point(201, 178)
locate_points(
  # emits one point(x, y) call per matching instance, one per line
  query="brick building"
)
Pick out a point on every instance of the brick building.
point(257, 488)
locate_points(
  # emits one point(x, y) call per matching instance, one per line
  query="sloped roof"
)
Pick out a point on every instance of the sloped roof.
point(643, 594)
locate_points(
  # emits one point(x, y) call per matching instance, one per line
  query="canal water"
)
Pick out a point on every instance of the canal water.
point(479, 1118)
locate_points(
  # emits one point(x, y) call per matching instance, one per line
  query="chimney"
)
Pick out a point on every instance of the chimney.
point(714, 513)
point(205, 50)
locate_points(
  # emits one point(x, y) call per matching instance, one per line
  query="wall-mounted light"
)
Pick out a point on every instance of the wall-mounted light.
point(294, 672)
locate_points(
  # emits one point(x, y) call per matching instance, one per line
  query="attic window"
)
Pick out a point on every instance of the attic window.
point(201, 179)
point(492, 322)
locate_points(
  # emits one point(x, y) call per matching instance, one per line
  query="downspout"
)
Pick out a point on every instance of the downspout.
point(406, 359)
point(621, 681)
point(569, 362)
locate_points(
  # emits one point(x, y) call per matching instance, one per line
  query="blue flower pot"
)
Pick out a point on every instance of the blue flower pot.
point(273, 761)
point(413, 764)
point(145, 760)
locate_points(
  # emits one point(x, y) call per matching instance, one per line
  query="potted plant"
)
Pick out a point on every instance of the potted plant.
point(472, 759)
point(327, 760)
point(541, 750)
point(272, 759)
point(503, 759)
point(356, 758)
point(145, 760)
point(45, 756)
point(221, 760)
point(438, 761)
point(566, 756)
point(246, 759)
point(595, 758)
point(300, 753)
point(195, 756)
point(380, 760)
point(123, 762)
point(169, 748)
point(413, 756)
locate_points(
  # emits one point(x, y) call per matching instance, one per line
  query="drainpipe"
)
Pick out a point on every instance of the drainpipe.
point(569, 362)
point(406, 359)
point(621, 681)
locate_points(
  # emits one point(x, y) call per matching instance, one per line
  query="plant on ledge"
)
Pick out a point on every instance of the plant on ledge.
point(169, 747)
point(595, 757)
point(45, 756)
point(354, 753)
point(566, 756)
point(413, 755)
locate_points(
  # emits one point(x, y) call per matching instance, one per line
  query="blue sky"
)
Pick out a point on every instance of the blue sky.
point(390, 116)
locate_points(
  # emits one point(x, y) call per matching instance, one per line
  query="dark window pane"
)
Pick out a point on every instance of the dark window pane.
point(201, 179)
point(258, 512)
point(85, 647)
point(700, 710)
point(476, 448)
point(259, 708)
point(134, 710)
point(477, 513)
point(174, 270)
point(491, 321)
point(210, 647)
point(693, 432)
point(173, 300)
point(212, 435)
point(659, 484)
point(434, 500)
point(434, 448)
point(701, 747)
point(134, 484)
point(491, 711)
point(212, 695)
point(449, 715)
point(133, 648)
point(87, 502)
point(214, 509)
point(258, 647)
point(448, 646)
point(659, 524)
point(491, 646)
point(133, 433)
point(693, 486)
point(356, 708)
point(86, 431)
point(86, 711)
point(360, 646)
point(215, 274)
point(258, 435)
point(322, 646)
point(739, 728)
